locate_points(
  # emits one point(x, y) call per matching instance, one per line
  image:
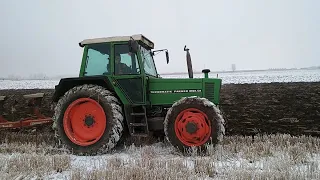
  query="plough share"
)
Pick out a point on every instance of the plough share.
point(36, 118)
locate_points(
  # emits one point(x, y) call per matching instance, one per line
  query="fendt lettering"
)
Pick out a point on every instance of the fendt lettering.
point(176, 91)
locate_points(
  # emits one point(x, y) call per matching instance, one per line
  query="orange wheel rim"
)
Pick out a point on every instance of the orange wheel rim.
point(192, 127)
point(84, 121)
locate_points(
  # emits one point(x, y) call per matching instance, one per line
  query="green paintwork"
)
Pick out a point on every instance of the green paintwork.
point(152, 85)
point(83, 61)
point(206, 75)
point(166, 91)
point(217, 87)
point(166, 98)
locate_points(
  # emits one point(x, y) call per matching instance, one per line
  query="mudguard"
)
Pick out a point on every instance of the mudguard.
point(67, 83)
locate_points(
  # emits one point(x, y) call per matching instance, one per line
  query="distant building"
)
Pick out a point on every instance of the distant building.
point(233, 67)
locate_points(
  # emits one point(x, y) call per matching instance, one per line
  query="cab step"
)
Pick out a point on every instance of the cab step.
point(139, 126)
point(140, 135)
point(137, 114)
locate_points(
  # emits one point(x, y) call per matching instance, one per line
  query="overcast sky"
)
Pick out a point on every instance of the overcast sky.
point(40, 36)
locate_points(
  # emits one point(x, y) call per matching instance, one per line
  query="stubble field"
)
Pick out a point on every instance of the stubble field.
point(281, 156)
point(268, 157)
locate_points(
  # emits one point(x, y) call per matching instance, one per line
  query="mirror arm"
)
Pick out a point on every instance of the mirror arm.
point(167, 53)
point(159, 51)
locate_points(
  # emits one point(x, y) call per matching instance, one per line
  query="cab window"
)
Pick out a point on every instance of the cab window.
point(125, 62)
point(97, 60)
point(148, 63)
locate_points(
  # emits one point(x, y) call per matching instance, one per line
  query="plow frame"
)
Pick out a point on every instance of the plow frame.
point(34, 103)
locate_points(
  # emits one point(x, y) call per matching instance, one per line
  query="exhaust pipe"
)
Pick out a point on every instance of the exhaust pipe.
point(189, 63)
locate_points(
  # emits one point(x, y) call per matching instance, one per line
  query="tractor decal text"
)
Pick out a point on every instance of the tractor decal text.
point(176, 91)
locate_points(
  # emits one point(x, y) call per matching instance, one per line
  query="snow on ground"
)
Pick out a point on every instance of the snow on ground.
point(28, 84)
point(227, 78)
point(262, 76)
point(268, 157)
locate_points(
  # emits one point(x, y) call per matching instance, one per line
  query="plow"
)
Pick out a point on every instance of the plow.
point(25, 110)
point(119, 93)
point(33, 102)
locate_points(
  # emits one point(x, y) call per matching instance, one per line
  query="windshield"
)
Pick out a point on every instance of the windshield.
point(148, 63)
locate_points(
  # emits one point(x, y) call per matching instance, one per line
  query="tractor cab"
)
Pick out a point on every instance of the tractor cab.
point(118, 56)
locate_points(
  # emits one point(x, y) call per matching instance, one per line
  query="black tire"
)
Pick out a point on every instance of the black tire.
point(213, 116)
point(113, 113)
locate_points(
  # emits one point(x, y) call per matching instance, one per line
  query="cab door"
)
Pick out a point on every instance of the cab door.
point(127, 76)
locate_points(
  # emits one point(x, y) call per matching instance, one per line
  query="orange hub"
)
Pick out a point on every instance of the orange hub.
point(192, 127)
point(84, 121)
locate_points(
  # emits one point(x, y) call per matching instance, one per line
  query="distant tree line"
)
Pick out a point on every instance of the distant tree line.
point(38, 76)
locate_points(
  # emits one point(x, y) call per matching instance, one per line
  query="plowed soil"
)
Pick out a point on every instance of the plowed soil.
point(248, 109)
point(292, 108)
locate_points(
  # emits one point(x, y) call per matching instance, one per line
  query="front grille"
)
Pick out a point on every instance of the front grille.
point(209, 90)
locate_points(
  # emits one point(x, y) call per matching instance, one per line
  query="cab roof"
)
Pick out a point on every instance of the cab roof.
point(138, 37)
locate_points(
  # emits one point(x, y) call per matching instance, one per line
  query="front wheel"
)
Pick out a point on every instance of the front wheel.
point(193, 122)
point(88, 120)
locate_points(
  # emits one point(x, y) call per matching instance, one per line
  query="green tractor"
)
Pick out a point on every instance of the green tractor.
point(119, 91)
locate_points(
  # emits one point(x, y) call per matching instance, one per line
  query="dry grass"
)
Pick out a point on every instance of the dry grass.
point(30, 165)
point(268, 157)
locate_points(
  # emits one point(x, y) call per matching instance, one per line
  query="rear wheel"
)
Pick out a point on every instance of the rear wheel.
point(193, 122)
point(88, 120)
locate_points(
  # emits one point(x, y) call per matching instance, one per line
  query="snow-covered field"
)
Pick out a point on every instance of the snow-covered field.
point(263, 76)
point(227, 78)
point(268, 157)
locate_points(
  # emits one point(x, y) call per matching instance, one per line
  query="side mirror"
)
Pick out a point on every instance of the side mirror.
point(167, 53)
point(167, 56)
point(133, 46)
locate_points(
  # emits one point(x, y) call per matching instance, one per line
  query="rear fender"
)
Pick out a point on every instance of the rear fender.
point(67, 83)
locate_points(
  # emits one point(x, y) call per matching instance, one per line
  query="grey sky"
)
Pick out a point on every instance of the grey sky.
point(42, 36)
